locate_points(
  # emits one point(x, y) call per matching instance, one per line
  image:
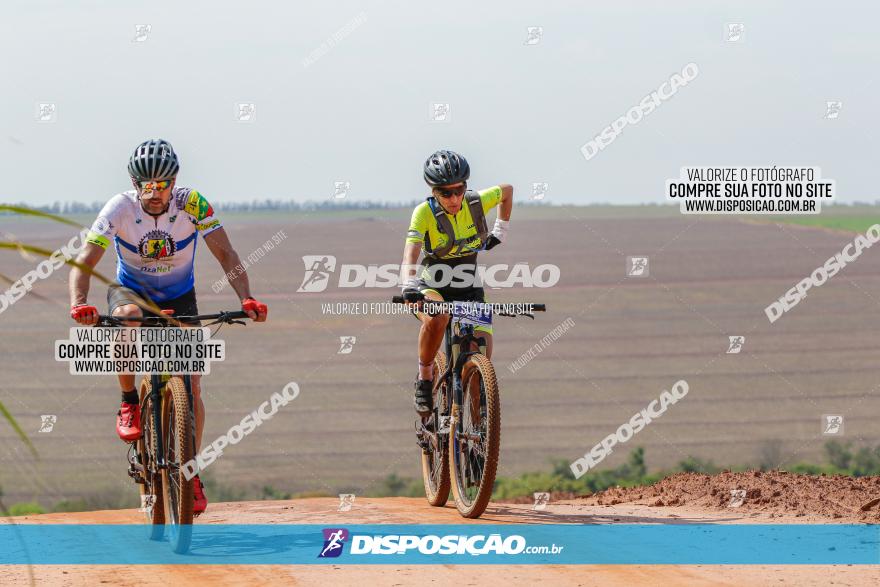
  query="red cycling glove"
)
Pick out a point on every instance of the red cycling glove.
point(84, 314)
point(252, 305)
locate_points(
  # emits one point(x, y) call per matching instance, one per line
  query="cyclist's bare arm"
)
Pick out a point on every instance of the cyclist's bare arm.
point(221, 248)
point(409, 267)
point(78, 282)
point(506, 205)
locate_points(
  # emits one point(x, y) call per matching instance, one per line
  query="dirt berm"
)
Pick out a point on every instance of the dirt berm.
point(774, 493)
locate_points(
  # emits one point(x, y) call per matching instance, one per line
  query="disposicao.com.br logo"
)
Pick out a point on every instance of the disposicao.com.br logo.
point(320, 268)
point(431, 544)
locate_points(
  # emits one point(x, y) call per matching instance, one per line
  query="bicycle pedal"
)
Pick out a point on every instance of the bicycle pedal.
point(136, 476)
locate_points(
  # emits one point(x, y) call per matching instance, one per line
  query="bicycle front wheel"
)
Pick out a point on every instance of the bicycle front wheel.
point(152, 498)
point(177, 433)
point(475, 437)
point(435, 458)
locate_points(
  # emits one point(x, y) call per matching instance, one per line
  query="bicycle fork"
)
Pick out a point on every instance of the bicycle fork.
point(156, 385)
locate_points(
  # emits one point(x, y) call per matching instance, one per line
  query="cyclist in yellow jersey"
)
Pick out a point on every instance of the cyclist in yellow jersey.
point(450, 227)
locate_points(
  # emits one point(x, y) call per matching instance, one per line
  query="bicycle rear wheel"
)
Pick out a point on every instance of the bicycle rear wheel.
point(152, 498)
point(475, 437)
point(435, 459)
point(177, 433)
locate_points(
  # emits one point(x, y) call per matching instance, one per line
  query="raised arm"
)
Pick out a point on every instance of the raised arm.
point(506, 205)
point(409, 266)
point(79, 280)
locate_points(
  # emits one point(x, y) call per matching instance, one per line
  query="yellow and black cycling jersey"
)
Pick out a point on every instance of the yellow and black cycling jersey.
point(423, 227)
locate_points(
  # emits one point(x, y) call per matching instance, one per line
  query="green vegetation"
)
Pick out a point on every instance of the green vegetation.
point(848, 223)
point(26, 508)
point(856, 218)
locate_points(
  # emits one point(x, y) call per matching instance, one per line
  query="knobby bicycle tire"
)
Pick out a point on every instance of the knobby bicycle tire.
point(435, 465)
point(477, 368)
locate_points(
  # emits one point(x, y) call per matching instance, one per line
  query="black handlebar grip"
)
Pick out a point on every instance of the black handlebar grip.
point(539, 307)
point(397, 300)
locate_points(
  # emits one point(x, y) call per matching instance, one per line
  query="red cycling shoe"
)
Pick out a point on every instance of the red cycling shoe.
point(128, 422)
point(200, 501)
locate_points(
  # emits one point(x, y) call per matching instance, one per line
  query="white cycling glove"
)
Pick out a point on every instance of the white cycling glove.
point(499, 231)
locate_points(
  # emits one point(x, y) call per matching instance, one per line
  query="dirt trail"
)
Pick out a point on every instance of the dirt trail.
point(411, 510)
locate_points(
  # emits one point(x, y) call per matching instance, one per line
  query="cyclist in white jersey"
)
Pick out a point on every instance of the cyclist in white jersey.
point(154, 229)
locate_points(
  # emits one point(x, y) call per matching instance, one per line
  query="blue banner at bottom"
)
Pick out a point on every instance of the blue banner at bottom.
point(244, 544)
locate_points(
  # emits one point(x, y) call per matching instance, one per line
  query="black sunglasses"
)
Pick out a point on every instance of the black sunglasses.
point(448, 193)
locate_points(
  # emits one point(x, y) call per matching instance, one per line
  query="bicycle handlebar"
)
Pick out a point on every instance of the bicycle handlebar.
point(224, 317)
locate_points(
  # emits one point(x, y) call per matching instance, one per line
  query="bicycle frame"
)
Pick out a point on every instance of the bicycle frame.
point(464, 340)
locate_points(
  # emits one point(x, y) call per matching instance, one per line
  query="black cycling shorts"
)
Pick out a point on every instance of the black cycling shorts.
point(458, 294)
point(185, 305)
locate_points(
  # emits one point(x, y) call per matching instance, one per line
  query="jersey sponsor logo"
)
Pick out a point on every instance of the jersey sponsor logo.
point(97, 239)
point(157, 244)
point(198, 206)
point(102, 225)
point(207, 226)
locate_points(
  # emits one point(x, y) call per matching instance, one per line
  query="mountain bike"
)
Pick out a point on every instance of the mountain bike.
point(168, 440)
point(466, 421)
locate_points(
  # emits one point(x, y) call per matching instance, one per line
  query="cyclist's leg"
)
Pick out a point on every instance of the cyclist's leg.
point(122, 305)
point(479, 295)
point(430, 334)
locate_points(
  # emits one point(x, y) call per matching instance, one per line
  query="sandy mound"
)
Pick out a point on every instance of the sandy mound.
point(773, 492)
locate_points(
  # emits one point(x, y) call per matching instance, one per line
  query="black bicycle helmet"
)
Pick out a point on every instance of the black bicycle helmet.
point(446, 168)
point(153, 159)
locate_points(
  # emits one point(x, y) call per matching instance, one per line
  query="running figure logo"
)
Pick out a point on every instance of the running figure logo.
point(340, 189)
point(334, 539)
point(735, 32)
point(141, 32)
point(737, 498)
point(637, 266)
point(147, 503)
point(346, 344)
point(736, 344)
point(46, 112)
point(832, 109)
point(318, 270)
point(832, 424)
point(245, 112)
point(346, 500)
point(534, 34)
point(439, 112)
point(48, 422)
point(539, 190)
point(542, 498)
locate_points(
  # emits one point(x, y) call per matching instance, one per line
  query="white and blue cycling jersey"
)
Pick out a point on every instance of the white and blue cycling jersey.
point(155, 253)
